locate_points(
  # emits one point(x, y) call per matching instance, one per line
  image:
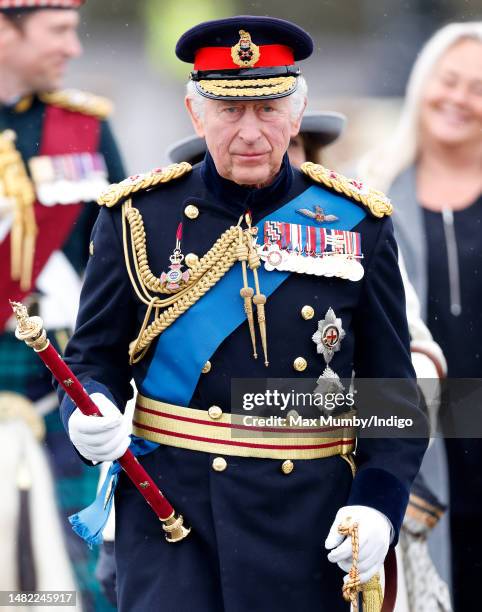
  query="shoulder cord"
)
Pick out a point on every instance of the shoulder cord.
point(376, 201)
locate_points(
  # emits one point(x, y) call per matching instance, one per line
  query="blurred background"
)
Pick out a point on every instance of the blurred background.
point(363, 52)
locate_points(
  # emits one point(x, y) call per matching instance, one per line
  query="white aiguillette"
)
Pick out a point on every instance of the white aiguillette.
point(289, 247)
point(68, 179)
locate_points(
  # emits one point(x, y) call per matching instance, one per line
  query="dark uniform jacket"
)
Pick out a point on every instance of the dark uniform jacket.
point(258, 534)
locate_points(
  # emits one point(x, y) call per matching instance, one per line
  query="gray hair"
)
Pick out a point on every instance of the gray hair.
point(381, 166)
point(297, 98)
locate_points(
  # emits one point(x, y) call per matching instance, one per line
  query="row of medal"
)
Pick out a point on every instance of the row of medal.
point(68, 179)
point(304, 249)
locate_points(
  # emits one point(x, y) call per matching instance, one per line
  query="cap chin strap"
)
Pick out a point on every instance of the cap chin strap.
point(245, 73)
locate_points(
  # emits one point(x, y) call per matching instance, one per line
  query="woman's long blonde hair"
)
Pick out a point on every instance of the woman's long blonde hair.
point(381, 166)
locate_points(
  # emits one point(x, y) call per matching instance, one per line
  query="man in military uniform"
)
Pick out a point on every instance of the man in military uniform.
point(176, 296)
point(56, 153)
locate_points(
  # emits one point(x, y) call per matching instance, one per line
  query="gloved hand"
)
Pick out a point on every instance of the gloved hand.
point(375, 534)
point(102, 438)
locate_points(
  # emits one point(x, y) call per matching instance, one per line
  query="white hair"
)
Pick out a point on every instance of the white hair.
point(297, 98)
point(381, 166)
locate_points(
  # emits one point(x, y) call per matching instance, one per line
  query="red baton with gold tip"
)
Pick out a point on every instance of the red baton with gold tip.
point(31, 331)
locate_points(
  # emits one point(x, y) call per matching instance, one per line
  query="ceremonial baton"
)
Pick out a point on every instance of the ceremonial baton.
point(31, 331)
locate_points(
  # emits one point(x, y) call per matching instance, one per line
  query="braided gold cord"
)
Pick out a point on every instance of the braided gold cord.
point(183, 303)
point(216, 88)
point(118, 191)
point(352, 586)
point(372, 594)
point(148, 278)
point(376, 201)
point(250, 82)
point(246, 291)
point(233, 245)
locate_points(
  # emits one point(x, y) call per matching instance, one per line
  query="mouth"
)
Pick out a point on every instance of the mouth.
point(453, 115)
point(250, 157)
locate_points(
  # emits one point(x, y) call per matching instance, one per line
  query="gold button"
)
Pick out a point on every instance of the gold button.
point(215, 412)
point(191, 211)
point(191, 260)
point(207, 367)
point(300, 364)
point(287, 466)
point(91, 248)
point(219, 464)
point(307, 312)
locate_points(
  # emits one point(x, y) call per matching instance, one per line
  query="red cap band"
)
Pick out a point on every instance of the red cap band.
point(219, 58)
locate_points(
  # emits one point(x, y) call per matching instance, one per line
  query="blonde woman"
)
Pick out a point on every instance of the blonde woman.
point(431, 168)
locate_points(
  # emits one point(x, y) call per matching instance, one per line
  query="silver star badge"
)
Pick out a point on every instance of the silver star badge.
point(329, 335)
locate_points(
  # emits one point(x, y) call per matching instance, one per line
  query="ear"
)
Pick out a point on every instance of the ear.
point(9, 36)
point(196, 120)
point(296, 123)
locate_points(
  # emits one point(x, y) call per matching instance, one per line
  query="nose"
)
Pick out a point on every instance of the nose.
point(73, 48)
point(249, 127)
point(458, 94)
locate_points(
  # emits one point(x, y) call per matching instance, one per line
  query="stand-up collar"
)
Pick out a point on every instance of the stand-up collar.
point(236, 199)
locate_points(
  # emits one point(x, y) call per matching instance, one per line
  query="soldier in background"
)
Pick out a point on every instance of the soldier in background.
point(59, 148)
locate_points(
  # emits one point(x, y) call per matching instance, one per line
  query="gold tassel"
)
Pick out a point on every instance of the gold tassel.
point(246, 292)
point(259, 299)
point(372, 595)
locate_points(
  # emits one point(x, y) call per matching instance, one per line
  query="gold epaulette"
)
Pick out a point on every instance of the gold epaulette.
point(120, 191)
point(377, 202)
point(79, 101)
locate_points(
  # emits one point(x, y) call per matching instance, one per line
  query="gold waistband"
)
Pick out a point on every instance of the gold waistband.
point(230, 435)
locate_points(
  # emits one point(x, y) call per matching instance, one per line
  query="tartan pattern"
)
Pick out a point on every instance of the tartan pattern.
point(21, 371)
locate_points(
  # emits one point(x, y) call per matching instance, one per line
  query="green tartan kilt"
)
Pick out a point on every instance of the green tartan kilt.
point(21, 371)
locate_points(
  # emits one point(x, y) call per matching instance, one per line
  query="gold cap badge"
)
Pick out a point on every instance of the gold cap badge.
point(245, 53)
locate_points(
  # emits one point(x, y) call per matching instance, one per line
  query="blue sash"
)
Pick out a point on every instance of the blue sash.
point(185, 346)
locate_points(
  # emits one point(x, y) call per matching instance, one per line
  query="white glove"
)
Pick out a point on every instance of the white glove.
point(102, 438)
point(374, 533)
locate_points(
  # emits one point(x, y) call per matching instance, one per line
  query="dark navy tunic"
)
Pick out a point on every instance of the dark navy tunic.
point(258, 535)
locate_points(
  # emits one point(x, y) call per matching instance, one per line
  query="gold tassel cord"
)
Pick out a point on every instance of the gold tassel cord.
point(148, 278)
point(173, 312)
point(235, 244)
point(16, 186)
point(259, 299)
point(372, 594)
point(247, 291)
point(352, 586)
